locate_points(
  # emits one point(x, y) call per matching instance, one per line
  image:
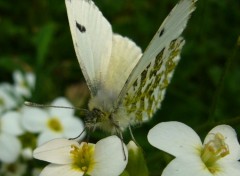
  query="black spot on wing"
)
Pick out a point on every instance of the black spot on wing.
point(161, 32)
point(80, 27)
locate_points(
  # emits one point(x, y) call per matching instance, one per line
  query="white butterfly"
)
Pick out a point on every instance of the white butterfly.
point(126, 86)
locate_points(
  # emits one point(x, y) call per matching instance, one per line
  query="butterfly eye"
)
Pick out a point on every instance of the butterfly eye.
point(92, 117)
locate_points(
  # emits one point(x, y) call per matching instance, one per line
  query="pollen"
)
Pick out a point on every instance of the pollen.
point(55, 125)
point(83, 157)
point(213, 151)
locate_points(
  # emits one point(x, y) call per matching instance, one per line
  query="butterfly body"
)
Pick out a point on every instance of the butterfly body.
point(105, 115)
point(126, 85)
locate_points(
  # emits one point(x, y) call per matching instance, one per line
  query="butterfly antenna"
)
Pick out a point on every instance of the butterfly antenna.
point(31, 104)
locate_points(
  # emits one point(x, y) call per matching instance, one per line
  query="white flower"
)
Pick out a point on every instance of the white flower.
point(24, 83)
point(10, 146)
point(27, 153)
point(13, 169)
point(70, 158)
point(217, 156)
point(54, 123)
point(6, 100)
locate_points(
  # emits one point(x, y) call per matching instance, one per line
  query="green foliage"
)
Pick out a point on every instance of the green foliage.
point(35, 35)
point(136, 162)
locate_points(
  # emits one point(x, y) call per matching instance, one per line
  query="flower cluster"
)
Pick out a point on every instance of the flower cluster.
point(11, 96)
point(218, 155)
point(24, 128)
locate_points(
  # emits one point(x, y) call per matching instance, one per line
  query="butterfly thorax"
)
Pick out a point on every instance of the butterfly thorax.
point(103, 114)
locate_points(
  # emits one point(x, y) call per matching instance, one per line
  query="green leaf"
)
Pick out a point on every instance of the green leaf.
point(42, 42)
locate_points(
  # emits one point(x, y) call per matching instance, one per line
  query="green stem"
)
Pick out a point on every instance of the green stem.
point(220, 85)
point(230, 121)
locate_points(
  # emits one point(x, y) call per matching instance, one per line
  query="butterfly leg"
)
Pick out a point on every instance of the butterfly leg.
point(119, 134)
point(85, 129)
point(132, 136)
point(88, 129)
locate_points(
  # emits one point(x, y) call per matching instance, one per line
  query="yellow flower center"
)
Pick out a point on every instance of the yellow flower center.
point(214, 150)
point(23, 84)
point(55, 125)
point(83, 157)
point(2, 103)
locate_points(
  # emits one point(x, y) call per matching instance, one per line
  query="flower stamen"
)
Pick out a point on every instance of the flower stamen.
point(83, 157)
point(214, 150)
point(2, 103)
point(55, 125)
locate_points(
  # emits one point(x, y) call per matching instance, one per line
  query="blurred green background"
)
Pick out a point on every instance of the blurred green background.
point(35, 35)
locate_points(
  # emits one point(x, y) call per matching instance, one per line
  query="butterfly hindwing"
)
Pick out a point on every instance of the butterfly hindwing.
point(124, 56)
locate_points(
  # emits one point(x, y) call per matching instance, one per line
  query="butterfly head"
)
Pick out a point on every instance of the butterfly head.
point(92, 118)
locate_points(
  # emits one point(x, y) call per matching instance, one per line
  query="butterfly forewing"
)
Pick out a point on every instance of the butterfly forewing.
point(92, 38)
point(146, 85)
point(147, 92)
point(145, 88)
point(169, 31)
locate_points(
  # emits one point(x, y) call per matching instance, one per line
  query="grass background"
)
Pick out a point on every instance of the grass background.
point(35, 35)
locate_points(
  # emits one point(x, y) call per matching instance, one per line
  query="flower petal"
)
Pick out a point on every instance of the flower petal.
point(56, 151)
point(230, 139)
point(229, 168)
point(186, 166)
point(61, 101)
point(34, 119)
point(5, 96)
point(27, 153)
point(11, 123)
point(48, 135)
point(10, 148)
point(175, 138)
point(60, 170)
point(21, 84)
point(109, 157)
point(18, 77)
point(31, 79)
point(23, 91)
point(73, 127)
